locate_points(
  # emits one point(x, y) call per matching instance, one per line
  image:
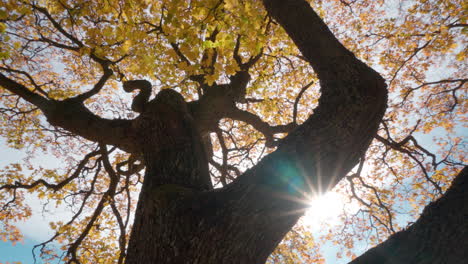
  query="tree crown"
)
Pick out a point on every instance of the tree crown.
point(247, 85)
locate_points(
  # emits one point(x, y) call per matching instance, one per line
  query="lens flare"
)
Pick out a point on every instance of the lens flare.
point(325, 208)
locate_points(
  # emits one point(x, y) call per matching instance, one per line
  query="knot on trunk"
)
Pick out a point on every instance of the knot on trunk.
point(172, 100)
point(139, 102)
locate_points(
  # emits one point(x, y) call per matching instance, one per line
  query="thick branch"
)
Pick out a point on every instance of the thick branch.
point(23, 92)
point(319, 48)
point(73, 116)
point(260, 125)
point(313, 157)
point(353, 101)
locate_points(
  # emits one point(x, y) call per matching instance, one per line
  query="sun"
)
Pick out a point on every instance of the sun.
point(325, 208)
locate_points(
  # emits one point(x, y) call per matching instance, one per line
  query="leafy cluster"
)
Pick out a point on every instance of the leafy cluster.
point(61, 49)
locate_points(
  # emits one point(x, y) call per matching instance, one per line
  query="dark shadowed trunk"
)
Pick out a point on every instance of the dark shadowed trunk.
point(180, 217)
point(180, 220)
point(439, 236)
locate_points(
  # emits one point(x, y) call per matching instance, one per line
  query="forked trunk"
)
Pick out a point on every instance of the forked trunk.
point(177, 225)
point(179, 219)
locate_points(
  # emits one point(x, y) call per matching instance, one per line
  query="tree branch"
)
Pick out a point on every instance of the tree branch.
point(23, 92)
point(97, 87)
point(352, 104)
point(399, 147)
point(317, 154)
point(106, 197)
point(266, 129)
point(53, 186)
point(298, 98)
point(73, 116)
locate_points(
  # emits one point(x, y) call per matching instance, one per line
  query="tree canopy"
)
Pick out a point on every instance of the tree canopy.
point(68, 70)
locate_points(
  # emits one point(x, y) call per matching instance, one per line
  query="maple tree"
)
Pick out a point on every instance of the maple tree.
point(255, 109)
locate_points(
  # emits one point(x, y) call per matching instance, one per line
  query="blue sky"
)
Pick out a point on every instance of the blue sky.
point(36, 229)
point(19, 252)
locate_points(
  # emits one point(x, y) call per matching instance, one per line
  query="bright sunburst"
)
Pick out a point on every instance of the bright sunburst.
point(324, 208)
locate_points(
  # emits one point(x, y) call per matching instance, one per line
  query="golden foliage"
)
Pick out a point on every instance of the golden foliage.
point(49, 46)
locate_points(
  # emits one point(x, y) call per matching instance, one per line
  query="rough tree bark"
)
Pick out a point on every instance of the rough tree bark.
point(439, 236)
point(179, 221)
point(179, 217)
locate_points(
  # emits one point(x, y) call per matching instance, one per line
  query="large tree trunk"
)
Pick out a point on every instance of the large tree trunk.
point(439, 236)
point(179, 220)
point(179, 217)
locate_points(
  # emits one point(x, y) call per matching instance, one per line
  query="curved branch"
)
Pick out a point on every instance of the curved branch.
point(399, 147)
point(298, 98)
point(266, 129)
point(139, 102)
point(323, 149)
point(350, 109)
point(97, 87)
point(317, 154)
